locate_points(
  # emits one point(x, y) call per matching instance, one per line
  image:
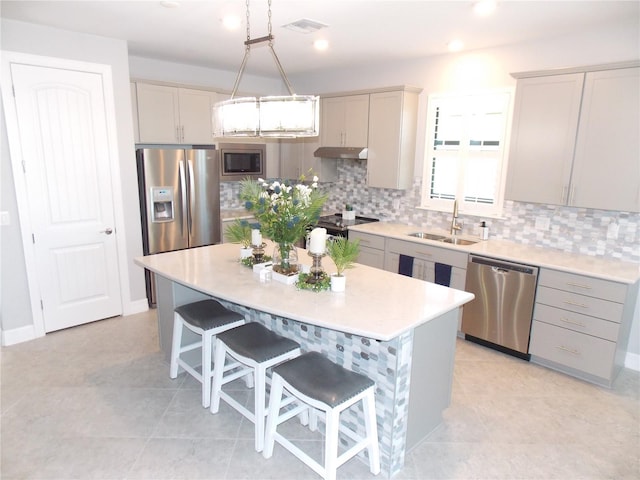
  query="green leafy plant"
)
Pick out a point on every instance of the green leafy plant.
point(239, 232)
point(343, 252)
point(306, 281)
point(348, 208)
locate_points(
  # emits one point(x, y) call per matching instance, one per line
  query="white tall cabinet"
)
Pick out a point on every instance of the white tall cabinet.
point(392, 138)
point(174, 115)
point(576, 139)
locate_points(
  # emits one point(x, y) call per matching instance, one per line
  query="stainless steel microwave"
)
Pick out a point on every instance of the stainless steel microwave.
point(242, 160)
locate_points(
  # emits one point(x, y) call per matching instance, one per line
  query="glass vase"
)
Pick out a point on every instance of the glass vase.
point(285, 259)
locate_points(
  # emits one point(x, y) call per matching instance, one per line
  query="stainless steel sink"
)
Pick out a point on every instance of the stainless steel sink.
point(442, 238)
point(458, 241)
point(427, 236)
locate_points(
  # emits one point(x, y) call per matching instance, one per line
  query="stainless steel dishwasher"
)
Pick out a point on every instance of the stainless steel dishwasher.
point(500, 315)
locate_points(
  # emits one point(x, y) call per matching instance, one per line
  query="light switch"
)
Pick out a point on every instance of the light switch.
point(4, 218)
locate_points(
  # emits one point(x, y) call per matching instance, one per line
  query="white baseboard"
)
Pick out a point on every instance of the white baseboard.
point(632, 361)
point(18, 335)
point(136, 306)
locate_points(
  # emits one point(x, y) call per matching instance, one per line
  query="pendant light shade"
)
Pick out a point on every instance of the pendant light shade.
point(272, 116)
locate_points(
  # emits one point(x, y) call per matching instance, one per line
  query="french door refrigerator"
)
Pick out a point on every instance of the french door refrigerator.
point(179, 192)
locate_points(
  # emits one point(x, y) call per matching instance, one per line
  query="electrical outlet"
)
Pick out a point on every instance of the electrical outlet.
point(543, 223)
point(612, 231)
point(4, 218)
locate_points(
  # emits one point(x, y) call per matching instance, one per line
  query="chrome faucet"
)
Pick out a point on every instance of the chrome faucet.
point(455, 226)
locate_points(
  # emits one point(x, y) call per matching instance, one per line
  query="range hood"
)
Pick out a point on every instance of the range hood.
point(357, 153)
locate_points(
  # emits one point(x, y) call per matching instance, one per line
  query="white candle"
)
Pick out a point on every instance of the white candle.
point(256, 237)
point(318, 240)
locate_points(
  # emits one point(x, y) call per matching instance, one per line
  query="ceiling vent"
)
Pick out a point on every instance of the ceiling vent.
point(305, 25)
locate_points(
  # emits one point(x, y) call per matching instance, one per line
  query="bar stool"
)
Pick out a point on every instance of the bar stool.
point(206, 318)
point(255, 349)
point(321, 384)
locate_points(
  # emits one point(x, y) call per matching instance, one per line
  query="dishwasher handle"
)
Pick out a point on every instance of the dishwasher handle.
point(501, 266)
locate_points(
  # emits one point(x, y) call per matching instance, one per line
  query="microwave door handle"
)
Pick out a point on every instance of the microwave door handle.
point(183, 197)
point(192, 195)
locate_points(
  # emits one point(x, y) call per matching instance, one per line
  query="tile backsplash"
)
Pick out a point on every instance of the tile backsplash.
point(575, 230)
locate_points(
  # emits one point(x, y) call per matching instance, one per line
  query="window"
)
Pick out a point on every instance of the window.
point(466, 154)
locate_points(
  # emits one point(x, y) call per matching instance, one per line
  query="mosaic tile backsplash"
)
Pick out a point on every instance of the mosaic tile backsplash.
point(574, 230)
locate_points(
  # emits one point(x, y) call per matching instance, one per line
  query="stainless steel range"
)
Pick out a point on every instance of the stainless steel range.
point(338, 227)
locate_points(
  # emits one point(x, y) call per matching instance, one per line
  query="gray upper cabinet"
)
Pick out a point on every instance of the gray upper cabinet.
point(606, 173)
point(392, 138)
point(575, 140)
point(344, 121)
point(174, 115)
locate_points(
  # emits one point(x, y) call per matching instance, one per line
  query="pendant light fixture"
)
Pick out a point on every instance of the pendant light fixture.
point(273, 116)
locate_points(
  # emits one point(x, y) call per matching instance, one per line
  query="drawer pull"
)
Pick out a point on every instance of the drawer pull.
point(581, 305)
point(424, 254)
point(579, 285)
point(572, 351)
point(362, 240)
point(572, 322)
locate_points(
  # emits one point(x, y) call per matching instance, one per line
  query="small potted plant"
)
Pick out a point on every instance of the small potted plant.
point(240, 232)
point(348, 213)
point(344, 253)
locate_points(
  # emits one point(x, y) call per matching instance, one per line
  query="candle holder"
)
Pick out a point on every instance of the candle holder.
point(258, 252)
point(317, 273)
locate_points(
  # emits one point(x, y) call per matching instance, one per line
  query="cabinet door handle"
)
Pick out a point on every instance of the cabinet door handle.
point(579, 285)
point(182, 133)
point(178, 134)
point(572, 322)
point(565, 198)
point(581, 305)
point(572, 351)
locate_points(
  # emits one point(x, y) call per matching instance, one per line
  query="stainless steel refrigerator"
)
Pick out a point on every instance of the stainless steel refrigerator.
point(179, 200)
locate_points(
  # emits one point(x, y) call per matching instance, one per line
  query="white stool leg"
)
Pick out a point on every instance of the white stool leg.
point(218, 371)
point(259, 408)
point(275, 399)
point(371, 426)
point(176, 344)
point(331, 444)
point(207, 339)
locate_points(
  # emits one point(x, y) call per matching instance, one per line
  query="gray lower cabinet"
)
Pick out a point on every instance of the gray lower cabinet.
point(371, 249)
point(425, 258)
point(581, 325)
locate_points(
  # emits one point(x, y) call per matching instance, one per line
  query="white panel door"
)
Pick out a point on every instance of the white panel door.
point(64, 141)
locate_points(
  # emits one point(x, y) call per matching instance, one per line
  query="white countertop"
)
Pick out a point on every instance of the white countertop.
point(377, 304)
point(614, 270)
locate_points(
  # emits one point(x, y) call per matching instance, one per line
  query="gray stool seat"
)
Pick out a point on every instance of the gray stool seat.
point(205, 318)
point(207, 314)
point(316, 385)
point(317, 377)
point(257, 342)
point(251, 349)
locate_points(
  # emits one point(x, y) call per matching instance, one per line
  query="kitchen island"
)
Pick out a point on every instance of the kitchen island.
point(399, 331)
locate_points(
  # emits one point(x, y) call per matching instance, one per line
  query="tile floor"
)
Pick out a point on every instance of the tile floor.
point(96, 402)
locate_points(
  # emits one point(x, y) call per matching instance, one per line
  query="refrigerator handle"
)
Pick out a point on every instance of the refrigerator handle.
point(183, 196)
point(192, 195)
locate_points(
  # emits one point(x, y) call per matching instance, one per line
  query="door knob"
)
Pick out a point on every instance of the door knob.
point(108, 231)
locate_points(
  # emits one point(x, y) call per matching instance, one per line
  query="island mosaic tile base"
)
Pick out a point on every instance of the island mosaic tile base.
point(387, 363)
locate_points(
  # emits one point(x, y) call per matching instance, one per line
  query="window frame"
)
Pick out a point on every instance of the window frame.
point(468, 208)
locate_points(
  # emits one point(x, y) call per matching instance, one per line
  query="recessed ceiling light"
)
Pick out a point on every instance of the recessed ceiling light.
point(484, 7)
point(231, 22)
point(455, 45)
point(321, 44)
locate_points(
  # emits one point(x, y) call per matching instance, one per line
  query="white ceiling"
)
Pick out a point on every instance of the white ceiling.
point(359, 32)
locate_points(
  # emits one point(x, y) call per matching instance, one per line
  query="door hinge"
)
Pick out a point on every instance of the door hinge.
point(33, 237)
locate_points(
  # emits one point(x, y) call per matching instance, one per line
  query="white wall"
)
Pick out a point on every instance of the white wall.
point(37, 40)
